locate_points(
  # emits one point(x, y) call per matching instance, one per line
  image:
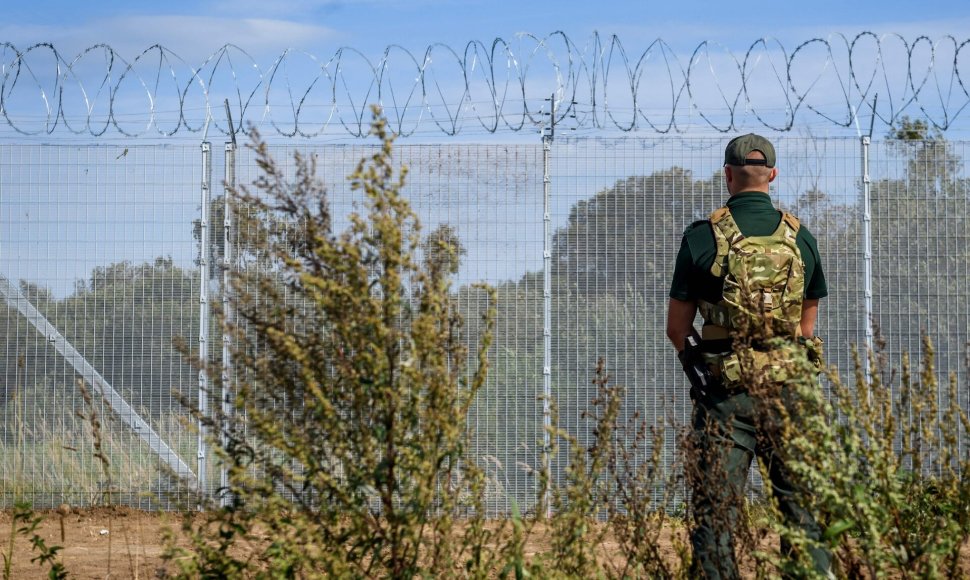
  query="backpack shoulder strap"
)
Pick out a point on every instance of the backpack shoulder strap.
point(726, 234)
point(788, 227)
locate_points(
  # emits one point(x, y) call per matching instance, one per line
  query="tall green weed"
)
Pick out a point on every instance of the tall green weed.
point(886, 472)
point(346, 445)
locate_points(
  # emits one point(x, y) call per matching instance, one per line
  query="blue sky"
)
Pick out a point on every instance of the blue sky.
point(195, 27)
point(313, 31)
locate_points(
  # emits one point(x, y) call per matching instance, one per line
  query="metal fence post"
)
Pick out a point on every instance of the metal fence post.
point(547, 138)
point(204, 307)
point(867, 250)
point(226, 303)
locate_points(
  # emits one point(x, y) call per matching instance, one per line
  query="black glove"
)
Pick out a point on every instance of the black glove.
point(700, 376)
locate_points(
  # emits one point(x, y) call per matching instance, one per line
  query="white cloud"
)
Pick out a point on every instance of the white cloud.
point(287, 9)
point(191, 37)
point(318, 9)
point(688, 35)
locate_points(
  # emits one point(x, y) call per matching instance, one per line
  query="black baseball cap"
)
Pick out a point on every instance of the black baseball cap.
point(737, 151)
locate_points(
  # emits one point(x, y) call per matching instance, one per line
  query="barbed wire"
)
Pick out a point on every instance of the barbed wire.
point(502, 86)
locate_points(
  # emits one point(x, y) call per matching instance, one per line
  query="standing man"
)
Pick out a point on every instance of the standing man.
point(755, 275)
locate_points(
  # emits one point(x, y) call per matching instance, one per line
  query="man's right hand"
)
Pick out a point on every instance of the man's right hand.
point(700, 376)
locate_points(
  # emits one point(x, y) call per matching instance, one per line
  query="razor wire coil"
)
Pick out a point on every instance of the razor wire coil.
point(506, 85)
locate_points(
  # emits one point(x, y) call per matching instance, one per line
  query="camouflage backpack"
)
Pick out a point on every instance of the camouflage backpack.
point(764, 285)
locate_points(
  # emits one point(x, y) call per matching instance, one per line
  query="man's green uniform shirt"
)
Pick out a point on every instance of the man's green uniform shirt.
point(755, 216)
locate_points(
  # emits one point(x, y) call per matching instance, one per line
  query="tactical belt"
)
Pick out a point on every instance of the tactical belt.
point(716, 339)
point(719, 353)
point(726, 345)
point(717, 346)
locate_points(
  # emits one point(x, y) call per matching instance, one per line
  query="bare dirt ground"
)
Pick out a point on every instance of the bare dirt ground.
point(98, 543)
point(120, 543)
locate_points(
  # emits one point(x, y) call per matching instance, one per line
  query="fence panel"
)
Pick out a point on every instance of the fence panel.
point(921, 256)
point(99, 241)
point(491, 195)
point(103, 242)
point(620, 207)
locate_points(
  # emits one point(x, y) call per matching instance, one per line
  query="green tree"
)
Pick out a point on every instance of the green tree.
point(124, 320)
point(921, 254)
point(611, 266)
point(932, 166)
point(618, 242)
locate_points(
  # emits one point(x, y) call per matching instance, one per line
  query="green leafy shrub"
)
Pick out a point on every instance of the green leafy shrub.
point(885, 470)
point(346, 446)
point(29, 521)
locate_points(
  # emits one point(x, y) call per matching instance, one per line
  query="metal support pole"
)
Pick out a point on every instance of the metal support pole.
point(867, 250)
point(547, 138)
point(227, 305)
point(204, 307)
point(230, 184)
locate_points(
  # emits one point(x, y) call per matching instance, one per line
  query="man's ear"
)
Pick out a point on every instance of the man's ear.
point(773, 175)
point(728, 174)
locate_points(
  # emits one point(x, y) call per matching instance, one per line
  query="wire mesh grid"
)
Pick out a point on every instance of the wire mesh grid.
point(490, 195)
point(104, 243)
point(920, 276)
point(98, 241)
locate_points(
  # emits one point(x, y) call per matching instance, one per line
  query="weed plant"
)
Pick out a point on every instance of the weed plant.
point(609, 517)
point(885, 472)
point(58, 462)
point(25, 522)
point(346, 446)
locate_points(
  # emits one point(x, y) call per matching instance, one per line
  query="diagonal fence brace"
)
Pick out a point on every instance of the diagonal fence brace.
point(128, 416)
